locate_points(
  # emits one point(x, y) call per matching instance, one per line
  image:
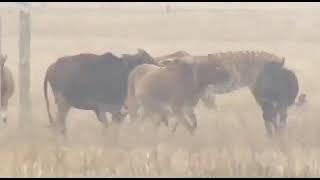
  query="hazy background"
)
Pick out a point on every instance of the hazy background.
point(228, 142)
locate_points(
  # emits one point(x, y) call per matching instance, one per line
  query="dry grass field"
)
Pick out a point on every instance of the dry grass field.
point(230, 142)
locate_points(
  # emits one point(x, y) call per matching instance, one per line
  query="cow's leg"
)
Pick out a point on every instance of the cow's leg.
point(192, 116)
point(62, 112)
point(175, 126)
point(269, 116)
point(147, 114)
point(190, 113)
point(209, 100)
point(268, 125)
point(268, 109)
point(101, 116)
point(118, 116)
point(179, 113)
point(163, 117)
point(4, 109)
point(282, 120)
point(133, 113)
point(133, 108)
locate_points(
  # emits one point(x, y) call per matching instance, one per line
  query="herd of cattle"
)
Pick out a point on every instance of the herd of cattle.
point(162, 87)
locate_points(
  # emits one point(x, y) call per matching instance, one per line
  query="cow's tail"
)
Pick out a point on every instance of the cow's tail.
point(45, 90)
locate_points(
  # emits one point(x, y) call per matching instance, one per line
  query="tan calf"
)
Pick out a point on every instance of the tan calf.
point(172, 90)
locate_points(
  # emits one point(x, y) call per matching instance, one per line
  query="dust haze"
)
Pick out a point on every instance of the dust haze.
point(229, 142)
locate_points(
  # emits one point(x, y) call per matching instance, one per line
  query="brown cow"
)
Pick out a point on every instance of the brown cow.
point(207, 97)
point(7, 87)
point(173, 89)
point(91, 82)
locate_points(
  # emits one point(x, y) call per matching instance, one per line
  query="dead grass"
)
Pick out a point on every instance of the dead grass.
point(230, 142)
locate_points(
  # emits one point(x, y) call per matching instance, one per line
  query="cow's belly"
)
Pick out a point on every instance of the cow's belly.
point(92, 104)
point(92, 98)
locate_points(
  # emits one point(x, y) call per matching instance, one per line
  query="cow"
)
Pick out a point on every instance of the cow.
point(172, 90)
point(7, 87)
point(275, 90)
point(91, 82)
point(244, 67)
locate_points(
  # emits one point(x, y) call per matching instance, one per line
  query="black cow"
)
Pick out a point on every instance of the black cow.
point(275, 90)
point(91, 82)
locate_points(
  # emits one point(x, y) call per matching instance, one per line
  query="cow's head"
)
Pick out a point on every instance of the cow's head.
point(144, 58)
point(141, 57)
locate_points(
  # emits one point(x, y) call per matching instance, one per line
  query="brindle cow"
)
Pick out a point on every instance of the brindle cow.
point(7, 87)
point(91, 82)
point(173, 89)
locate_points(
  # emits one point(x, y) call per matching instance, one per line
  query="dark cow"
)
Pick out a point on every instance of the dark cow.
point(91, 82)
point(276, 89)
point(7, 87)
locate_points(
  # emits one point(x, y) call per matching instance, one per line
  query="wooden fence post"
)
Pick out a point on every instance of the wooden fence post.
point(0, 35)
point(0, 68)
point(24, 69)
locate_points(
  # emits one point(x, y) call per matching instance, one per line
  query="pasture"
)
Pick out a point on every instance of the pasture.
point(228, 142)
